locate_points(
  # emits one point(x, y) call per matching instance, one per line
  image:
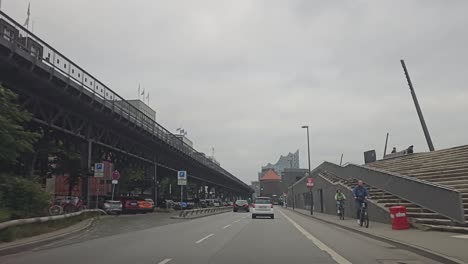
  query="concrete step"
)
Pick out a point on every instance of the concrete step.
point(418, 210)
point(443, 228)
point(442, 177)
point(425, 167)
point(425, 215)
point(378, 197)
point(428, 168)
point(407, 205)
point(433, 221)
point(462, 190)
point(451, 181)
point(393, 200)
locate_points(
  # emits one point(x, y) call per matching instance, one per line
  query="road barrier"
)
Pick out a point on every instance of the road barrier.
point(26, 221)
point(204, 211)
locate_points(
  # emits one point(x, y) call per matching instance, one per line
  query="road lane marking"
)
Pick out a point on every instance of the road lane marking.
point(224, 227)
point(338, 258)
point(237, 221)
point(165, 261)
point(461, 236)
point(201, 240)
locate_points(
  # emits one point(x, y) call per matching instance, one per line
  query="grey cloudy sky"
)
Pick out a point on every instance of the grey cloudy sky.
point(243, 76)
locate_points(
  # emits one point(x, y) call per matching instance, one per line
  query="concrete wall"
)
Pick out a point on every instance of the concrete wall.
point(325, 203)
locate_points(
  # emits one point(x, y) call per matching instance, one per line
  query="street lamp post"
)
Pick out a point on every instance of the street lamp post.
point(308, 156)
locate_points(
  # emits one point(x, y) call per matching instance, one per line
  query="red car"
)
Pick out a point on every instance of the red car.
point(130, 205)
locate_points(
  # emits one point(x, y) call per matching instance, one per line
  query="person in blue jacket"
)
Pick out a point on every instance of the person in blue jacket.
point(360, 195)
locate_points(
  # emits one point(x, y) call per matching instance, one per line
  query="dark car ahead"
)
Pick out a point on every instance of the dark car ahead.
point(130, 205)
point(241, 205)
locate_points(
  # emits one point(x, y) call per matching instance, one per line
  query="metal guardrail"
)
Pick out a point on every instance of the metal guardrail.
point(438, 198)
point(185, 213)
point(26, 221)
point(46, 55)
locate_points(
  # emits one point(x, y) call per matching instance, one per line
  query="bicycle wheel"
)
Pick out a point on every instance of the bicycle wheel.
point(342, 213)
point(366, 220)
point(55, 210)
point(361, 218)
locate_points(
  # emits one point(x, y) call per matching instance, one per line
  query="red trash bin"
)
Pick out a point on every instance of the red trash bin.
point(398, 217)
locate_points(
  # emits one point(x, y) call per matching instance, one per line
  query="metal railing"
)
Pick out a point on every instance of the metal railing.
point(22, 39)
point(26, 221)
point(204, 211)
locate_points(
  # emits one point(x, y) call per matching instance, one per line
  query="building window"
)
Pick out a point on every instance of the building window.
point(58, 61)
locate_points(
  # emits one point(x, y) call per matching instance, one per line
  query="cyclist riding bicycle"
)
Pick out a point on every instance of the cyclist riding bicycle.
point(339, 198)
point(360, 195)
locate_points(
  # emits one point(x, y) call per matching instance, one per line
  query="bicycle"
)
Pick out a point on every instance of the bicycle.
point(364, 215)
point(341, 209)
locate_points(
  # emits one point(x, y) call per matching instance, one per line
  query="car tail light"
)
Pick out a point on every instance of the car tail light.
point(245, 205)
point(253, 205)
point(271, 205)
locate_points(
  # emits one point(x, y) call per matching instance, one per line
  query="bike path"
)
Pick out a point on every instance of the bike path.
point(452, 245)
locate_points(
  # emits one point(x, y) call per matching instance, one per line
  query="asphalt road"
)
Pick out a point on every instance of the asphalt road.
point(226, 238)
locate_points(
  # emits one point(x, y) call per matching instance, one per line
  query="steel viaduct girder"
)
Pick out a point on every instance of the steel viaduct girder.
point(61, 104)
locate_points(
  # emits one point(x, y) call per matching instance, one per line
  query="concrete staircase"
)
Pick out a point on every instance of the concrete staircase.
point(448, 167)
point(418, 217)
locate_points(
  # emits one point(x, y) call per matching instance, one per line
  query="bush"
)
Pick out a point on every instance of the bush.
point(22, 197)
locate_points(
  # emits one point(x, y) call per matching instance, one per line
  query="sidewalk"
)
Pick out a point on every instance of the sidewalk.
point(453, 245)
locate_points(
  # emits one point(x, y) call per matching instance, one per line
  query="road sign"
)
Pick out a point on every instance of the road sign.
point(182, 178)
point(310, 182)
point(115, 182)
point(99, 170)
point(182, 175)
point(115, 175)
point(182, 182)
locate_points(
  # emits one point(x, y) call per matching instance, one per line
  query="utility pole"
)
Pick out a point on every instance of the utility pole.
point(418, 108)
point(385, 149)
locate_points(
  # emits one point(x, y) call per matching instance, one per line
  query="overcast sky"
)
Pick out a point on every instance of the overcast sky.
point(243, 76)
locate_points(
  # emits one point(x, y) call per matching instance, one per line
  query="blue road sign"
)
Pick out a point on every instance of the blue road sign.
point(182, 175)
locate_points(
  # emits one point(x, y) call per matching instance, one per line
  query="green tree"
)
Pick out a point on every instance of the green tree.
point(66, 161)
point(14, 139)
point(22, 197)
point(132, 179)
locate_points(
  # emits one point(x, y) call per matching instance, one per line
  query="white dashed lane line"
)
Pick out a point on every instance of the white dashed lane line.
point(201, 240)
point(224, 227)
point(165, 261)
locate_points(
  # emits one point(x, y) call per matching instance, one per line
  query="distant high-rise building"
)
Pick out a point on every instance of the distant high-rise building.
point(289, 161)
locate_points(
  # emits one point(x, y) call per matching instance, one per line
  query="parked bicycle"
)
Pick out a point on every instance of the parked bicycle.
point(364, 215)
point(66, 205)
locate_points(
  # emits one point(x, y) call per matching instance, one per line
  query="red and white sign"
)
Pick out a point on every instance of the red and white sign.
point(115, 175)
point(310, 182)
